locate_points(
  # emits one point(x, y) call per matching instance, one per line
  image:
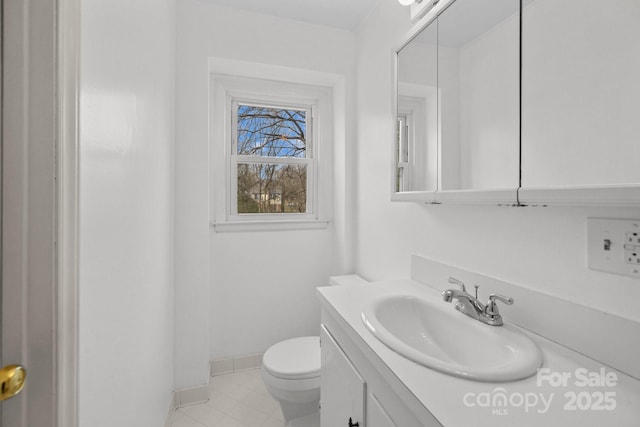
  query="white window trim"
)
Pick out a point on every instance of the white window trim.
point(225, 89)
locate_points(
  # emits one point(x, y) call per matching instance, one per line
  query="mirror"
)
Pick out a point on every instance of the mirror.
point(581, 93)
point(458, 100)
point(478, 69)
point(416, 142)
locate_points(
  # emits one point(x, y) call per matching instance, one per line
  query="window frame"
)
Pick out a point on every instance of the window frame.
point(224, 160)
point(309, 160)
point(404, 152)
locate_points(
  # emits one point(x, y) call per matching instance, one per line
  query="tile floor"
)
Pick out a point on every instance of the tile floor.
point(238, 399)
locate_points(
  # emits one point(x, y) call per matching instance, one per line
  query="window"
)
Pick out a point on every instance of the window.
point(403, 132)
point(272, 158)
point(271, 154)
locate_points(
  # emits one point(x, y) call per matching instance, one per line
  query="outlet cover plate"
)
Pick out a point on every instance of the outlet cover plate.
point(608, 246)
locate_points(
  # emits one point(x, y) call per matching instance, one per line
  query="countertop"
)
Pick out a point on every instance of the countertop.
point(591, 394)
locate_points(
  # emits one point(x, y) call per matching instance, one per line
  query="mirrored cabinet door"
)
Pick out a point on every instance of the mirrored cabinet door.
point(581, 93)
point(416, 142)
point(478, 79)
point(458, 104)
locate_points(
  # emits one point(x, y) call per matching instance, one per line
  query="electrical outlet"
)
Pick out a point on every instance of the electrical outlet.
point(632, 256)
point(613, 246)
point(632, 238)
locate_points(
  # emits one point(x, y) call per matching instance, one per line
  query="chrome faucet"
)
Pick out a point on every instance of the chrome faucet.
point(472, 307)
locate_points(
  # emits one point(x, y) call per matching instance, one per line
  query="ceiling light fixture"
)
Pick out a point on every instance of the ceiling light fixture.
point(408, 2)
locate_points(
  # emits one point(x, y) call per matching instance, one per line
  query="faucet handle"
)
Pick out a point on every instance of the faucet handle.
point(457, 282)
point(492, 308)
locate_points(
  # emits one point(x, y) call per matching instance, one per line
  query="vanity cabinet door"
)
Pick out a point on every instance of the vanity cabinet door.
point(376, 415)
point(342, 389)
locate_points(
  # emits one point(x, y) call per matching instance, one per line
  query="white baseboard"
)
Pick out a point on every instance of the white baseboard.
point(185, 397)
point(172, 409)
point(200, 394)
point(191, 396)
point(236, 363)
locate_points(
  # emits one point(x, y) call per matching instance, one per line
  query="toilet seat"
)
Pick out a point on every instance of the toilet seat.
point(293, 359)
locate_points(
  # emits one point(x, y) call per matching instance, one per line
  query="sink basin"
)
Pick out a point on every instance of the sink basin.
point(434, 334)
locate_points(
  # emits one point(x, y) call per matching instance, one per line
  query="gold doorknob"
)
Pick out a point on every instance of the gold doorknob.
point(12, 379)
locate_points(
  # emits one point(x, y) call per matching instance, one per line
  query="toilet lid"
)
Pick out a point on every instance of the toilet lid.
point(297, 358)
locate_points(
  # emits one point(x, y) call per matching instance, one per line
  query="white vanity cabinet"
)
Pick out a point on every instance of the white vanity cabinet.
point(376, 414)
point(342, 389)
point(357, 385)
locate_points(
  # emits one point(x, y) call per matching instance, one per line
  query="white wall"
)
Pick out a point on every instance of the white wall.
point(540, 248)
point(238, 293)
point(126, 143)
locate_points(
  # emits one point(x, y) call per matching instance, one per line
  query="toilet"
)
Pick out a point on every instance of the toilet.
point(291, 372)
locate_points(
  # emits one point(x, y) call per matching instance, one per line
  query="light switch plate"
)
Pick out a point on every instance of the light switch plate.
point(613, 246)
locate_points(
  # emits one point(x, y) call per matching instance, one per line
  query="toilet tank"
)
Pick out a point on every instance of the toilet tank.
point(349, 279)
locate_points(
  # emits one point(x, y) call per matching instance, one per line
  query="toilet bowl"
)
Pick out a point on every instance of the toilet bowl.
point(291, 374)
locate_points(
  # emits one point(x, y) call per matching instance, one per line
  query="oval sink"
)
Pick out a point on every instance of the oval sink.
point(439, 337)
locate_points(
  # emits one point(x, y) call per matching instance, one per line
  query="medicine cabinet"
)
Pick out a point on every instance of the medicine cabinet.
point(530, 102)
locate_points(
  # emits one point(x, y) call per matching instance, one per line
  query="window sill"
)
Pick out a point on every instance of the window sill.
point(274, 225)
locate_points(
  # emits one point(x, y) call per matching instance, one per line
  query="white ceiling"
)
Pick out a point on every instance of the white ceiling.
point(344, 14)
